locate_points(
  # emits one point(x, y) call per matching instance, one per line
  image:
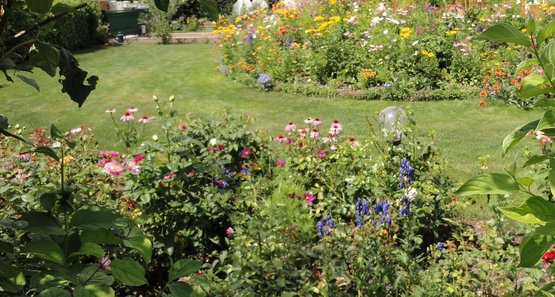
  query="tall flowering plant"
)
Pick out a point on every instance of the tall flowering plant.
point(538, 210)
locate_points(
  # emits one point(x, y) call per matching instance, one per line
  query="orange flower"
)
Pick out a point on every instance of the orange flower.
point(495, 88)
point(483, 94)
point(498, 72)
point(482, 103)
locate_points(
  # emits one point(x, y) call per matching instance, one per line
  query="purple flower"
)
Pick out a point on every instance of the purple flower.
point(406, 174)
point(264, 78)
point(220, 182)
point(440, 246)
point(320, 154)
point(105, 263)
point(361, 209)
point(308, 197)
point(405, 208)
point(325, 225)
point(280, 163)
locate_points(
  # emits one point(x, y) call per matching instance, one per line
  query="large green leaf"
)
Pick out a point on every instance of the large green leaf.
point(490, 183)
point(545, 32)
point(211, 8)
point(535, 210)
point(48, 152)
point(43, 281)
point(45, 56)
point(102, 236)
point(46, 250)
point(547, 121)
point(33, 83)
point(182, 268)
point(89, 249)
point(517, 135)
point(39, 6)
point(162, 4)
point(129, 272)
point(42, 223)
point(92, 275)
point(505, 33)
point(75, 81)
point(13, 279)
point(94, 290)
point(94, 218)
point(532, 247)
point(533, 85)
point(55, 292)
point(180, 289)
point(141, 244)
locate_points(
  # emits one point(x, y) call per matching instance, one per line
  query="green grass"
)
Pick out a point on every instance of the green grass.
point(131, 74)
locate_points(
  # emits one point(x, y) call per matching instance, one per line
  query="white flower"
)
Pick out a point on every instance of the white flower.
point(75, 131)
point(213, 142)
point(385, 31)
point(155, 137)
point(411, 193)
point(415, 43)
point(56, 144)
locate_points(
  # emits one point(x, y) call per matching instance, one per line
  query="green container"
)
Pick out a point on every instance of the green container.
point(126, 21)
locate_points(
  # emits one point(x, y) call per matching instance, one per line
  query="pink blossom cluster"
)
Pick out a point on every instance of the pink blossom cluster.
point(128, 115)
point(112, 165)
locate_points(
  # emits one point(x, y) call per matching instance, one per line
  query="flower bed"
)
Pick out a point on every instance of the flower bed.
point(371, 50)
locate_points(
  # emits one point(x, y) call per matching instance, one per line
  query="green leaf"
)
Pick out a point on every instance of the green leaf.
point(43, 281)
point(55, 133)
point(505, 33)
point(535, 210)
point(547, 229)
point(61, 8)
point(532, 247)
point(55, 292)
point(490, 183)
point(6, 247)
point(94, 218)
point(536, 159)
point(45, 56)
point(94, 290)
point(545, 103)
point(162, 4)
point(9, 134)
point(47, 152)
point(101, 236)
point(41, 223)
point(545, 33)
point(29, 81)
point(534, 85)
point(39, 6)
point(92, 275)
point(211, 8)
point(89, 249)
point(13, 280)
point(526, 181)
point(73, 81)
point(547, 121)
point(129, 272)
point(517, 135)
point(46, 250)
point(141, 244)
point(48, 200)
point(180, 289)
point(526, 63)
point(552, 175)
point(531, 26)
point(182, 268)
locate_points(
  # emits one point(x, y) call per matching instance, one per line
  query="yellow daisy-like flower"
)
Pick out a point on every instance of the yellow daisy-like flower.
point(452, 32)
point(67, 159)
point(319, 18)
point(405, 32)
point(427, 53)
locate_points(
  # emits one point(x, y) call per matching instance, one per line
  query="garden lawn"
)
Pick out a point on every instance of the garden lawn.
point(130, 74)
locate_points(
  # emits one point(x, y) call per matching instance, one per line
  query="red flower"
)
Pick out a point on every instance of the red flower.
point(482, 104)
point(549, 256)
point(483, 93)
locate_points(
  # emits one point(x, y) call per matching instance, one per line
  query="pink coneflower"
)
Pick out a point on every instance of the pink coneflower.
point(314, 133)
point(352, 142)
point(320, 154)
point(113, 168)
point(103, 161)
point(316, 122)
point(302, 132)
point(229, 232)
point(308, 121)
point(144, 120)
point(132, 109)
point(127, 116)
point(280, 163)
point(291, 127)
point(105, 263)
point(329, 138)
point(111, 110)
point(245, 152)
point(24, 157)
point(308, 197)
point(281, 138)
point(108, 154)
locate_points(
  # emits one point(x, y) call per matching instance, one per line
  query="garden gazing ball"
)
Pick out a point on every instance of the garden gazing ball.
point(392, 119)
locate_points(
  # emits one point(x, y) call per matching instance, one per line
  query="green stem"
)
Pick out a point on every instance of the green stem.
point(537, 54)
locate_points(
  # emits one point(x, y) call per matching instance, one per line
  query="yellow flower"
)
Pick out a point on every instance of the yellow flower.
point(524, 30)
point(318, 18)
point(67, 159)
point(335, 19)
point(427, 53)
point(367, 73)
point(452, 32)
point(405, 32)
point(332, 2)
